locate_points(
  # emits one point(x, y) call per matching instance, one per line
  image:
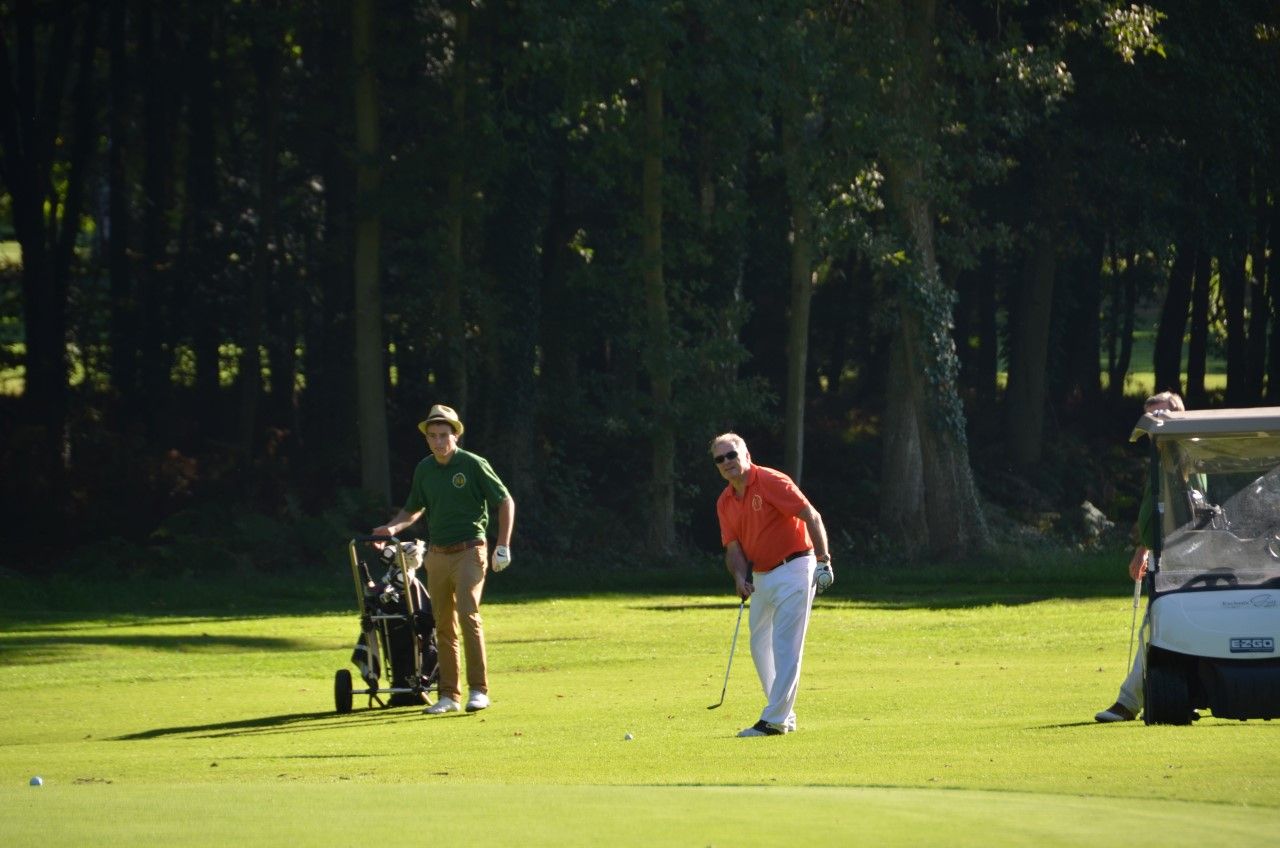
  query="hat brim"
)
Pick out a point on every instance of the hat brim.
point(455, 425)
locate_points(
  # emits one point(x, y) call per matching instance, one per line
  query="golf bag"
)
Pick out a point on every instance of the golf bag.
point(397, 631)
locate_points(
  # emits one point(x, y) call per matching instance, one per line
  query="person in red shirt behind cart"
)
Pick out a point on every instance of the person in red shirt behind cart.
point(776, 549)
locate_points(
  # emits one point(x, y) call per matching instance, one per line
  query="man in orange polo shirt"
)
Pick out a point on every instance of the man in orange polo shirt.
point(776, 549)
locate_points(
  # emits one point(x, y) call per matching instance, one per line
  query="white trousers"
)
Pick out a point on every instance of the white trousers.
point(780, 609)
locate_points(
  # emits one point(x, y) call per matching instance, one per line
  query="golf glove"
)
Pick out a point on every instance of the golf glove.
point(501, 557)
point(823, 577)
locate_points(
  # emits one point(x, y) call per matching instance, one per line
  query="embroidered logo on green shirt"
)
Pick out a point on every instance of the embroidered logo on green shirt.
point(459, 480)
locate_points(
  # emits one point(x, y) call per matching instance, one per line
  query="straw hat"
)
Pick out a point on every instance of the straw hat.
point(442, 414)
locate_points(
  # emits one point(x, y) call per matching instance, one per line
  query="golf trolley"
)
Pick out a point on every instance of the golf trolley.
point(1214, 581)
point(397, 631)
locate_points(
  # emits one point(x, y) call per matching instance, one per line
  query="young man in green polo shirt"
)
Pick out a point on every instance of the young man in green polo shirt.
point(456, 489)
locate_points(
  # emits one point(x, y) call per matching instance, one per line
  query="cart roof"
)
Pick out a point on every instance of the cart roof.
point(1259, 420)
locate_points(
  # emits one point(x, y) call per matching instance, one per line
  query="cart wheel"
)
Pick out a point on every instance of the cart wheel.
point(342, 691)
point(1167, 694)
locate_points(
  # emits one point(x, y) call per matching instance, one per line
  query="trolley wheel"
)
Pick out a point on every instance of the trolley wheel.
point(342, 691)
point(1168, 695)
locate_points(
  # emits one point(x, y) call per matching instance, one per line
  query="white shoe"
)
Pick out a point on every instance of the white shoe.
point(442, 706)
point(477, 701)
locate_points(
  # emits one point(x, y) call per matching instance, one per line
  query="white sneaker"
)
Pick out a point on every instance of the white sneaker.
point(442, 706)
point(477, 701)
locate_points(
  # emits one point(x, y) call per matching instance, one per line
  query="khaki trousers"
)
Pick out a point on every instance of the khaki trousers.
point(455, 583)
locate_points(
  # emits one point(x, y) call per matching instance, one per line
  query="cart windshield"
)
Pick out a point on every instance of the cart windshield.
point(1220, 498)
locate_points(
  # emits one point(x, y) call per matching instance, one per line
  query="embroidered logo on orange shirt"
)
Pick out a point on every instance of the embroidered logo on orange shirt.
point(757, 503)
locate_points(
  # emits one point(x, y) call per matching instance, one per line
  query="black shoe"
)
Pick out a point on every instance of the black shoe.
point(1116, 712)
point(762, 728)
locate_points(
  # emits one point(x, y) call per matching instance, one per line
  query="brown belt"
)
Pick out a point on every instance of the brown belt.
point(460, 546)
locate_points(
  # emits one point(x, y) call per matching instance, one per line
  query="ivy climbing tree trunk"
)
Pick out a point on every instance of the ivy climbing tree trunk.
point(935, 487)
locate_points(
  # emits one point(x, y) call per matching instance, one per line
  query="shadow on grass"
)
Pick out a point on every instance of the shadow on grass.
point(279, 724)
point(29, 650)
point(1008, 577)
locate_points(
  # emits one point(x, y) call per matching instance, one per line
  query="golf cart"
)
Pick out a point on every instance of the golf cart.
point(1214, 581)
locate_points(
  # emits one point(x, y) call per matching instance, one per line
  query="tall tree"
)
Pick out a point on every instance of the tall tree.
point(796, 159)
point(266, 62)
point(375, 475)
point(41, 104)
point(453, 324)
point(658, 363)
point(927, 474)
point(124, 365)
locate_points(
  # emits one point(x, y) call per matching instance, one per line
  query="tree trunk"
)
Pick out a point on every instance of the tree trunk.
point(1231, 277)
point(657, 319)
point(929, 404)
point(453, 371)
point(1271, 241)
point(1029, 346)
point(123, 326)
point(902, 502)
point(559, 372)
point(801, 294)
point(1083, 386)
point(267, 66)
point(327, 406)
point(1124, 304)
point(1259, 297)
point(953, 521)
point(371, 410)
point(198, 257)
point(1198, 338)
point(1173, 319)
point(45, 224)
point(155, 336)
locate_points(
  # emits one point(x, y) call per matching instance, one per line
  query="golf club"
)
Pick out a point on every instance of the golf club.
point(1137, 594)
point(732, 646)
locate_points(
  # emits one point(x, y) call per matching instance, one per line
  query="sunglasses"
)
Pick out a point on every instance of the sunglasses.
point(719, 460)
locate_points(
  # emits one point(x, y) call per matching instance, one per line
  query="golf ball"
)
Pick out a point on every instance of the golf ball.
point(628, 737)
point(37, 781)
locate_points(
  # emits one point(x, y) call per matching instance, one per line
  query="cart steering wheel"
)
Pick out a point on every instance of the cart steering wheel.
point(1273, 542)
point(1213, 577)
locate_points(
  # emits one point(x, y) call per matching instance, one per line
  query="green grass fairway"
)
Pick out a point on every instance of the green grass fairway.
point(358, 814)
point(924, 719)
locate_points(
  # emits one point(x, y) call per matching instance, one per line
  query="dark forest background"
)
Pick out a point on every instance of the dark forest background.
point(927, 256)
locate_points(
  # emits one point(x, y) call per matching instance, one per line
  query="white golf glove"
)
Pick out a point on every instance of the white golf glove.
point(501, 557)
point(823, 577)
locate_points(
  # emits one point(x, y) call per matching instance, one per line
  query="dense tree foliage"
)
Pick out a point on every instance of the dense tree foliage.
point(258, 239)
